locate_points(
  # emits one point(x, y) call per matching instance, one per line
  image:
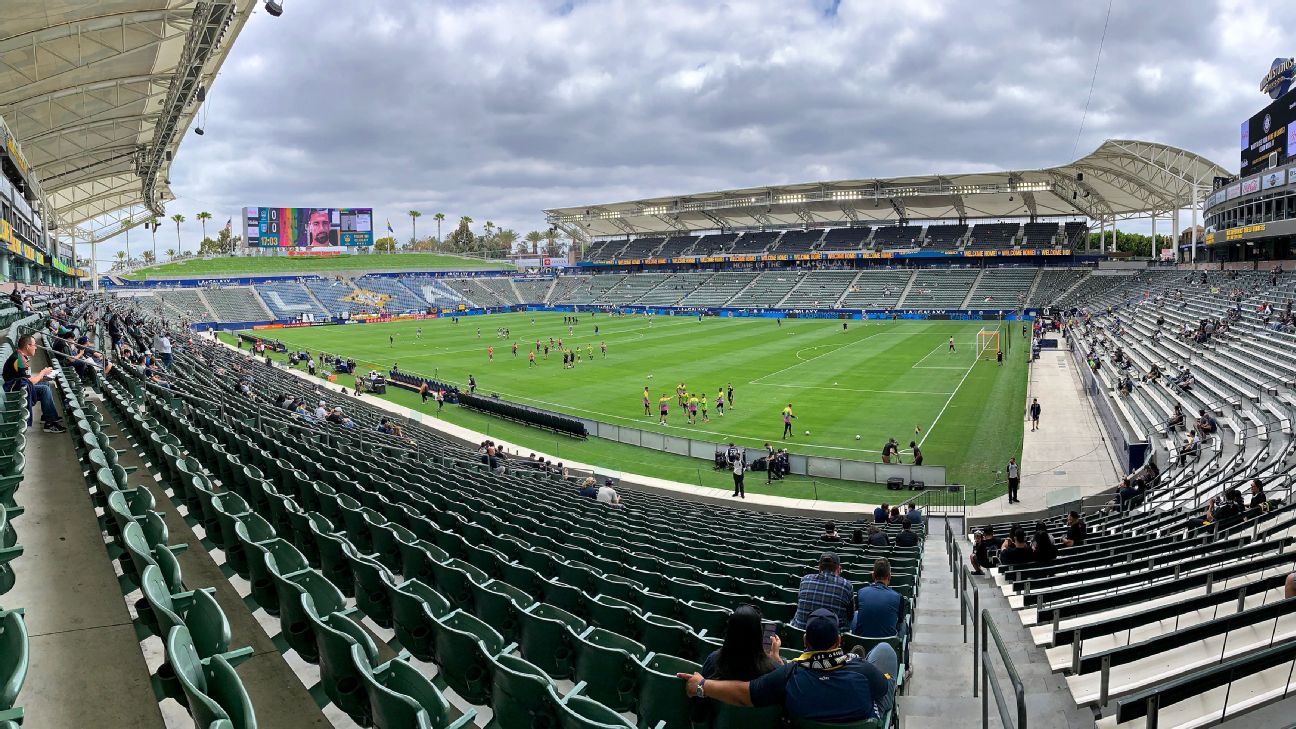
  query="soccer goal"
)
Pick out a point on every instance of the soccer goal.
point(987, 343)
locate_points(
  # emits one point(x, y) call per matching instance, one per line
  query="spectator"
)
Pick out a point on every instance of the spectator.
point(830, 533)
point(1042, 545)
point(1206, 423)
point(913, 515)
point(826, 684)
point(384, 427)
point(906, 537)
point(608, 495)
point(1258, 500)
point(744, 655)
point(1191, 449)
point(1077, 530)
point(877, 537)
point(1221, 512)
point(880, 514)
point(588, 488)
point(321, 412)
point(1127, 495)
point(1034, 409)
point(857, 536)
point(1289, 590)
point(917, 453)
point(1015, 550)
point(980, 557)
point(1014, 480)
point(18, 375)
point(825, 589)
point(1176, 420)
point(895, 517)
point(881, 610)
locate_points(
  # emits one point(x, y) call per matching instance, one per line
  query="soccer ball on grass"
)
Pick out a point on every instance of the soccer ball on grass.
point(857, 436)
point(807, 432)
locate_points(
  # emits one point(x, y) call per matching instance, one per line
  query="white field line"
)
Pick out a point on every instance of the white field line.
point(757, 381)
point(957, 387)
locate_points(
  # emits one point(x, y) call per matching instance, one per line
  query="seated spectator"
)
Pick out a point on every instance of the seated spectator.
point(589, 488)
point(1258, 500)
point(1221, 512)
point(744, 655)
point(1077, 530)
point(1289, 590)
point(857, 536)
point(881, 513)
point(914, 516)
point(1015, 550)
point(384, 427)
point(830, 533)
point(18, 376)
point(1042, 545)
point(877, 537)
point(608, 495)
point(825, 684)
point(880, 611)
point(825, 589)
point(980, 557)
point(1206, 424)
point(1127, 495)
point(906, 537)
point(1191, 449)
point(895, 517)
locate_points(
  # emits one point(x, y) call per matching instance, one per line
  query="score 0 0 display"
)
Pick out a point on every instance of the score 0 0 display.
point(307, 227)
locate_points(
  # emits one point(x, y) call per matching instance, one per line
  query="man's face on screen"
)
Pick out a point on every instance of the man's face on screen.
point(317, 228)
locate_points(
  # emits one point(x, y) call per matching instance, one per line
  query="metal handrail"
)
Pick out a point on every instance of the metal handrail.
point(966, 581)
point(989, 684)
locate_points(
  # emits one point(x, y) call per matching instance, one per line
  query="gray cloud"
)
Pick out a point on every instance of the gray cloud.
point(499, 109)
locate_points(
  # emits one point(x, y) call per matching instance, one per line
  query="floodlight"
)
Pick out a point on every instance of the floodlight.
point(274, 7)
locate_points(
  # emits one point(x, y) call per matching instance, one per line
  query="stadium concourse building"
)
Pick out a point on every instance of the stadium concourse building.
point(94, 100)
point(1036, 217)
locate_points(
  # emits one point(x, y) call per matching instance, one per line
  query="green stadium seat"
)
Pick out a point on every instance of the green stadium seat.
point(416, 612)
point(371, 594)
point(142, 555)
point(612, 614)
point(660, 698)
point(498, 603)
point(9, 547)
point(569, 598)
point(703, 616)
point(453, 579)
point(402, 698)
point(608, 665)
point(14, 659)
point(286, 558)
point(520, 695)
point(547, 637)
point(295, 624)
point(795, 723)
point(336, 635)
point(198, 611)
point(664, 635)
point(212, 689)
point(579, 712)
point(464, 647)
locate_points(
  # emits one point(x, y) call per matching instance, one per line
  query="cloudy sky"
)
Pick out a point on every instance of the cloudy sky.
point(499, 109)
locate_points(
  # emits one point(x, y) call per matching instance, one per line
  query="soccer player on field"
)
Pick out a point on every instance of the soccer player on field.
point(603, 348)
point(729, 393)
point(788, 417)
point(589, 350)
point(418, 333)
point(692, 409)
point(702, 402)
point(647, 403)
point(530, 360)
point(515, 349)
point(951, 345)
point(720, 402)
point(663, 406)
point(490, 354)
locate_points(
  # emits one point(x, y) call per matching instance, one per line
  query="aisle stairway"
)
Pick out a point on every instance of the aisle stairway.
point(938, 695)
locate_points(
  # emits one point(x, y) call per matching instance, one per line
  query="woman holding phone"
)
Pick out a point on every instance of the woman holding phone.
point(750, 650)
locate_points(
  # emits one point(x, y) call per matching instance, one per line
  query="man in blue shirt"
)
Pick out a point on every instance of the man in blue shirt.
point(880, 514)
point(881, 610)
point(824, 684)
point(825, 589)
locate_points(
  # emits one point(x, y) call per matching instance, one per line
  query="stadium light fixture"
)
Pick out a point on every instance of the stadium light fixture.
point(198, 131)
point(274, 8)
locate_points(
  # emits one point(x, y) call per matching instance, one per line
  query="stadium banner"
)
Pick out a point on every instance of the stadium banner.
point(307, 227)
point(1275, 179)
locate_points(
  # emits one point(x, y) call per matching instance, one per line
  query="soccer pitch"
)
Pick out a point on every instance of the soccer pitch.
point(876, 380)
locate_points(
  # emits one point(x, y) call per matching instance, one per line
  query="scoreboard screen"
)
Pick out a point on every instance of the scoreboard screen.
point(1267, 133)
point(307, 227)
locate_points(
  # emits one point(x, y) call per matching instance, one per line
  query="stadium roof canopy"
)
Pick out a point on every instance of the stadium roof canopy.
point(98, 96)
point(1121, 179)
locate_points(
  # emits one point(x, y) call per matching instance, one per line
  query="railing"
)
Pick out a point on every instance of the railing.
point(990, 684)
point(943, 501)
point(963, 580)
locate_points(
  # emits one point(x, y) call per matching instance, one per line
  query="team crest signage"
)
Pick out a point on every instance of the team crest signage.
point(1279, 79)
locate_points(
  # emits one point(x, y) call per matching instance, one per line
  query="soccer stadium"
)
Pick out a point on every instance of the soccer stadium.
point(953, 447)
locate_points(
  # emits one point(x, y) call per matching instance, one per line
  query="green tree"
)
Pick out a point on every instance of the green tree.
point(148, 257)
point(534, 238)
point(505, 239)
point(203, 217)
point(462, 239)
point(386, 244)
point(178, 219)
point(170, 254)
point(414, 215)
point(439, 218)
point(552, 249)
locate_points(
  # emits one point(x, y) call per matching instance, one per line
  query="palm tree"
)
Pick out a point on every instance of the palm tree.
point(534, 238)
point(551, 242)
point(178, 219)
point(414, 216)
point(153, 226)
point(203, 217)
point(170, 253)
point(438, 218)
point(121, 260)
point(505, 239)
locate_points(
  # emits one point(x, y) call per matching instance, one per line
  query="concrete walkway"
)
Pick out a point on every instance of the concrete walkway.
point(1068, 458)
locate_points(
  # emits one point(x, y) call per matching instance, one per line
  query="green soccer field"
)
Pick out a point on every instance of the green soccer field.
point(874, 380)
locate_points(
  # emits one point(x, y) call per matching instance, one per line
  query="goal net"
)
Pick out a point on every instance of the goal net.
point(987, 343)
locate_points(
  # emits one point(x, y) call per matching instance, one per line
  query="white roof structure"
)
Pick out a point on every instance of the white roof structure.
point(98, 96)
point(1121, 179)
